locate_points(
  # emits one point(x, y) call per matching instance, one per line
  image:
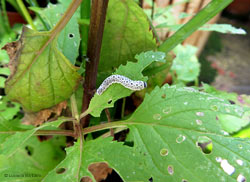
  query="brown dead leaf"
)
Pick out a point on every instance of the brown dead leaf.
point(13, 49)
point(42, 116)
point(86, 179)
point(100, 170)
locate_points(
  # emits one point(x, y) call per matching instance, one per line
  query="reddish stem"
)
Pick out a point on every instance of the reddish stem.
point(97, 21)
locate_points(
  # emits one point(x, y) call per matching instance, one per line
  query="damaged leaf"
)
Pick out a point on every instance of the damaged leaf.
point(40, 78)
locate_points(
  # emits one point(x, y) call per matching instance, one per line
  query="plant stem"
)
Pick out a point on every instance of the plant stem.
point(45, 132)
point(97, 21)
point(81, 150)
point(5, 23)
point(26, 14)
point(109, 120)
point(100, 127)
point(34, 3)
point(85, 113)
point(158, 40)
point(85, 15)
point(74, 109)
point(152, 10)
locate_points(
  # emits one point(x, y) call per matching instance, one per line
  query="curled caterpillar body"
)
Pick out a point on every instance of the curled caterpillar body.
point(126, 82)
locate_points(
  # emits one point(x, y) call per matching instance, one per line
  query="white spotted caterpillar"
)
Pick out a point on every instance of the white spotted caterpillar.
point(124, 81)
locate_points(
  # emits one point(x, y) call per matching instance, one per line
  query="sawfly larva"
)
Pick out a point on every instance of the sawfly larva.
point(124, 81)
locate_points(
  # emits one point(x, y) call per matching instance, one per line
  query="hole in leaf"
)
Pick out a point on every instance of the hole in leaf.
point(205, 144)
point(170, 170)
point(129, 143)
point(150, 179)
point(164, 152)
point(113, 177)
point(71, 35)
point(60, 170)
point(29, 150)
point(184, 180)
point(109, 20)
point(100, 170)
point(44, 138)
point(10, 104)
point(110, 101)
point(86, 179)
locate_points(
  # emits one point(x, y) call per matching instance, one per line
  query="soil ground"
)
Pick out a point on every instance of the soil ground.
point(229, 55)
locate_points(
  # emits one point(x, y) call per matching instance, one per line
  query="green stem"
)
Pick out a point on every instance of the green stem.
point(6, 23)
point(120, 124)
point(44, 132)
point(74, 109)
point(26, 14)
point(34, 3)
point(85, 15)
point(85, 113)
point(158, 40)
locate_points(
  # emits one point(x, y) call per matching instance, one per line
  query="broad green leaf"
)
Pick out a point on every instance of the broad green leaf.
point(233, 124)
point(14, 142)
point(4, 71)
point(168, 126)
point(117, 91)
point(242, 100)
point(40, 80)
point(69, 38)
point(230, 123)
point(212, 9)
point(33, 161)
point(186, 64)
point(126, 34)
point(8, 109)
point(123, 159)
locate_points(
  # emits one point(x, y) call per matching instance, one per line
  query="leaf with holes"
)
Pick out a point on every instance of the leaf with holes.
point(126, 33)
point(117, 91)
point(178, 131)
point(30, 163)
point(69, 37)
point(39, 79)
point(14, 142)
point(8, 109)
point(123, 159)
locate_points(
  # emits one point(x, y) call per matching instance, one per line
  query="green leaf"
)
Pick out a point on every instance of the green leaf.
point(8, 109)
point(186, 64)
point(168, 126)
point(40, 80)
point(126, 34)
point(69, 37)
point(212, 9)
point(14, 142)
point(223, 28)
point(232, 124)
point(242, 100)
point(117, 91)
point(123, 159)
point(166, 132)
point(33, 161)
point(4, 71)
